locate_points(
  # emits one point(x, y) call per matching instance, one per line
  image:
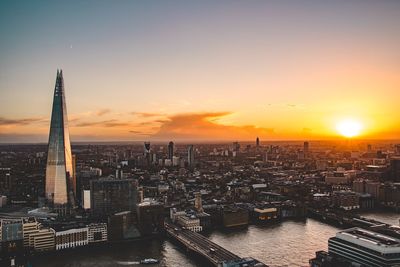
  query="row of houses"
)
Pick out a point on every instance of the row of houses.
point(28, 234)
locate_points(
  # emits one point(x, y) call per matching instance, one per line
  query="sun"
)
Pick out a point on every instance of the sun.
point(349, 127)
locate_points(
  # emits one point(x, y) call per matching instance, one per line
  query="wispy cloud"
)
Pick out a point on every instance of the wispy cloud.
point(147, 114)
point(20, 122)
point(139, 132)
point(103, 111)
point(105, 123)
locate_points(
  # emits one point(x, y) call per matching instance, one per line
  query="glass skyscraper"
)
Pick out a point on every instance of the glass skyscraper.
point(59, 169)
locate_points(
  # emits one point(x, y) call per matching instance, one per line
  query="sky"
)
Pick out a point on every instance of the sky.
point(200, 70)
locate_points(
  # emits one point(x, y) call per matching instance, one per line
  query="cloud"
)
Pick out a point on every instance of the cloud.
point(204, 126)
point(102, 112)
point(105, 123)
point(147, 114)
point(20, 122)
point(139, 132)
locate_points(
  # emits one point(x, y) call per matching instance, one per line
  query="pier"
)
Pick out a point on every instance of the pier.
point(202, 246)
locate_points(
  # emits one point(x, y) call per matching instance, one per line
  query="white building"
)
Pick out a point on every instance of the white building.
point(72, 238)
point(189, 222)
point(86, 199)
point(97, 232)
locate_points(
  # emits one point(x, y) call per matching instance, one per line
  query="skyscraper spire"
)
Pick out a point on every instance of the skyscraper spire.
point(59, 170)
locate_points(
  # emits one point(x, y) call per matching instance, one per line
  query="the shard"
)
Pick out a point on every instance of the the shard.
point(59, 169)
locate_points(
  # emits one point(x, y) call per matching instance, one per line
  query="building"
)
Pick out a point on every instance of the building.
point(365, 247)
point(373, 189)
point(11, 236)
point(189, 222)
point(29, 226)
point(59, 168)
point(3, 201)
point(147, 153)
point(170, 150)
point(197, 202)
point(339, 177)
point(306, 148)
point(86, 199)
point(72, 238)
point(257, 142)
point(395, 169)
point(175, 161)
point(108, 196)
point(42, 240)
point(97, 232)
point(122, 226)
point(265, 214)
point(347, 200)
point(191, 156)
point(359, 186)
point(150, 216)
point(233, 216)
point(324, 259)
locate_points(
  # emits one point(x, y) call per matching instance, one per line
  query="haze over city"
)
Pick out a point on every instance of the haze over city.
point(201, 71)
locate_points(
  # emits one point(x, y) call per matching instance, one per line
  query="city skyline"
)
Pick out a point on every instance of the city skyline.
point(197, 71)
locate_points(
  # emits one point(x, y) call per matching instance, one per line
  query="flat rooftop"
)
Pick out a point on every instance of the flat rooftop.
point(369, 237)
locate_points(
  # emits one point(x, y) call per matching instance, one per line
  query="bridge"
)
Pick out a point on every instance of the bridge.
point(213, 253)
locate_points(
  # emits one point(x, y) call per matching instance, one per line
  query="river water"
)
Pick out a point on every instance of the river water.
point(290, 243)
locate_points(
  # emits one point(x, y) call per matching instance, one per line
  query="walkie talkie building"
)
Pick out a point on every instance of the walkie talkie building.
point(59, 169)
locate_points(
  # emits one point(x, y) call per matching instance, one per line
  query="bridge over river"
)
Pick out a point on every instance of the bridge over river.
point(213, 253)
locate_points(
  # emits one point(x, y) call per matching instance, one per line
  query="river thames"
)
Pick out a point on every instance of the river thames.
point(289, 243)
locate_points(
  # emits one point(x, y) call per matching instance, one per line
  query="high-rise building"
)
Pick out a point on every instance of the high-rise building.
point(59, 169)
point(197, 202)
point(395, 169)
point(108, 196)
point(257, 142)
point(190, 156)
point(147, 152)
point(306, 148)
point(397, 149)
point(170, 150)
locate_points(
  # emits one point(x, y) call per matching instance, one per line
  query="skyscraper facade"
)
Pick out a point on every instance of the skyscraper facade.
point(171, 150)
point(191, 156)
point(59, 168)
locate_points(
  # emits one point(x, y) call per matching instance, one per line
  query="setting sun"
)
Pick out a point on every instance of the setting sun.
point(349, 127)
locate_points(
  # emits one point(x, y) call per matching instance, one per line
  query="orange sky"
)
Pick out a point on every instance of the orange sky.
point(202, 71)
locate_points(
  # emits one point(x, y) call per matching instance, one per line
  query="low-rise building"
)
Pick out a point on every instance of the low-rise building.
point(189, 222)
point(97, 232)
point(72, 238)
point(366, 247)
point(347, 200)
point(42, 240)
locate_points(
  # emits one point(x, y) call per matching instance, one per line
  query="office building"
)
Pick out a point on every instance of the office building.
point(29, 226)
point(306, 148)
point(42, 240)
point(11, 236)
point(72, 238)
point(97, 232)
point(191, 156)
point(59, 169)
point(108, 196)
point(122, 226)
point(150, 216)
point(365, 247)
point(170, 150)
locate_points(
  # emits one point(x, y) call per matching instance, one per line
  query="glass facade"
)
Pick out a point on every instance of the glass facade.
point(59, 170)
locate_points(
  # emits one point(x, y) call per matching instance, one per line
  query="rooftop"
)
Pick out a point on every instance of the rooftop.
point(370, 239)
